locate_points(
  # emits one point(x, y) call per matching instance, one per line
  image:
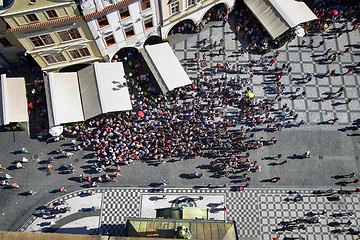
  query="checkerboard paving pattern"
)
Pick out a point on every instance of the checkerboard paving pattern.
point(257, 212)
point(244, 210)
point(117, 205)
point(303, 60)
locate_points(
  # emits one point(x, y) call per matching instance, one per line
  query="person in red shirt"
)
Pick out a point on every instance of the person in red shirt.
point(272, 61)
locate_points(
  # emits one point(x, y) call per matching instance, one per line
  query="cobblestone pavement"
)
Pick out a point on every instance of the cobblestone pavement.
point(303, 60)
point(261, 213)
point(258, 211)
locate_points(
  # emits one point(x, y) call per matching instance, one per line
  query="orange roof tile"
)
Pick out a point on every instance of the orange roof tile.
point(109, 8)
point(43, 24)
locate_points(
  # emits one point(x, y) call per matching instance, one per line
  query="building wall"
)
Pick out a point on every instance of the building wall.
point(10, 47)
point(194, 12)
point(117, 26)
point(54, 41)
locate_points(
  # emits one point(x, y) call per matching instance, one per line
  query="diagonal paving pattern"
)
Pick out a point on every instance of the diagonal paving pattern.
point(303, 60)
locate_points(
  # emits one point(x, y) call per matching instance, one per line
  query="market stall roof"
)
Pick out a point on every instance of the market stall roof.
point(77, 96)
point(165, 67)
point(63, 98)
point(13, 100)
point(277, 16)
point(103, 89)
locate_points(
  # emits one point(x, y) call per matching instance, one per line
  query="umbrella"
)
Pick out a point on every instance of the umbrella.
point(300, 32)
point(56, 131)
point(335, 12)
point(250, 95)
point(140, 113)
point(326, 26)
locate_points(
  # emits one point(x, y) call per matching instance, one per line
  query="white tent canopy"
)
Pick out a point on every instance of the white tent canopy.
point(63, 98)
point(103, 89)
point(165, 67)
point(294, 12)
point(277, 16)
point(13, 100)
point(97, 89)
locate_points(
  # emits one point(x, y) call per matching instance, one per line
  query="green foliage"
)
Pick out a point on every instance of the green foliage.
point(14, 127)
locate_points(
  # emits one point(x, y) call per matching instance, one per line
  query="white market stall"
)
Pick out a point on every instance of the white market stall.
point(13, 100)
point(278, 16)
point(165, 67)
point(78, 96)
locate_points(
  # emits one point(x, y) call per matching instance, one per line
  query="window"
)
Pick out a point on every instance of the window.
point(32, 17)
point(145, 4)
point(110, 40)
point(69, 35)
point(191, 2)
point(5, 42)
point(148, 23)
point(52, 14)
point(124, 12)
point(54, 58)
point(129, 32)
point(103, 22)
point(174, 8)
point(79, 53)
point(42, 40)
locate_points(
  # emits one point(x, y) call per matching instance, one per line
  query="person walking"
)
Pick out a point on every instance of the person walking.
point(346, 50)
point(334, 120)
point(348, 101)
point(310, 45)
point(327, 52)
point(272, 61)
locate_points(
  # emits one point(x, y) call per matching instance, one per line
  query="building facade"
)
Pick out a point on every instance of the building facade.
point(116, 24)
point(174, 11)
point(53, 32)
point(11, 50)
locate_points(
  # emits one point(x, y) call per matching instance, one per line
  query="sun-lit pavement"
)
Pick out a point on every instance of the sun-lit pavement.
point(258, 212)
point(259, 209)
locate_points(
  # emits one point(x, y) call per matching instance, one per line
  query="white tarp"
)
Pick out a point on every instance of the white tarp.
point(103, 89)
point(165, 67)
point(63, 98)
point(94, 90)
point(13, 100)
point(277, 16)
point(294, 12)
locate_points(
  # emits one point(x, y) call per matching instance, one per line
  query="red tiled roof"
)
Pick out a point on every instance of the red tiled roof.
point(109, 8)
point(43, 24)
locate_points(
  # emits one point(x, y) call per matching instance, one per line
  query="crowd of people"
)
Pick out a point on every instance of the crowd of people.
point(197, 120)
point(216, 13)
point(192, 121)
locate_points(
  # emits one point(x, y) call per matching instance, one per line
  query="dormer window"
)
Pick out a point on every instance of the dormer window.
point(32, 17)
point(52, 14)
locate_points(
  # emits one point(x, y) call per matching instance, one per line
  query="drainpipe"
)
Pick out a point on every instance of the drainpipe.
point(160, 15)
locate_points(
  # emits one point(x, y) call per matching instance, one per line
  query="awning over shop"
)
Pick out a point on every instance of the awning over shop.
point(78, 96)
point(104, 89)
point(293, 11)
point(63, 98)
point(13, 100)
point(165, 67)
point(277, 16)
